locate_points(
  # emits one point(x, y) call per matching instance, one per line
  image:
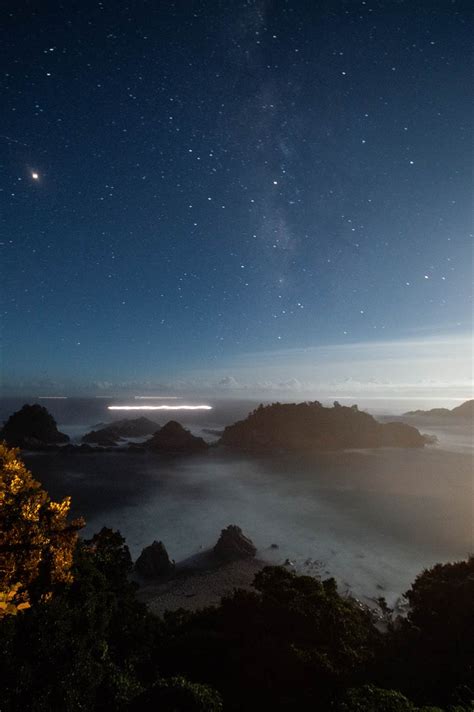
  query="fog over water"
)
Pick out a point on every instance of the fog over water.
point(372, 518)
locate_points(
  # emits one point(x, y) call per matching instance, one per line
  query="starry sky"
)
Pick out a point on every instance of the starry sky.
point(187, 188)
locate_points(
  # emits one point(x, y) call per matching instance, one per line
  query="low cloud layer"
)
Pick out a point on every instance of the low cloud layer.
point(433, 369)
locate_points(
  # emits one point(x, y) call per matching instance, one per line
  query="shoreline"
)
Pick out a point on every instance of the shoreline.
point(372, 519)
point(197, 582)
point(202, 581)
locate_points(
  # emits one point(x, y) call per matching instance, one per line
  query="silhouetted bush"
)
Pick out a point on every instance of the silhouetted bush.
point(430, 654)
point(292, 642)
point(177, 694)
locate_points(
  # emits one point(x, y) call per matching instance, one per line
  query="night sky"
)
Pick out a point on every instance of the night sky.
point(187, 184)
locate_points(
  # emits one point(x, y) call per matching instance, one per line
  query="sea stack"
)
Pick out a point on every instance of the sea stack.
point(233, 545)
point(173, 438)
point(154, 561)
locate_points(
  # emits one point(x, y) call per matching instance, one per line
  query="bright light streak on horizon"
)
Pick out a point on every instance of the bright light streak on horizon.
point(157, 397)
point(52, 397)
point(159, 407)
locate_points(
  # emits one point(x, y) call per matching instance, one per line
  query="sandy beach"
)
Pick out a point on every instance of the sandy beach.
point(198, 582)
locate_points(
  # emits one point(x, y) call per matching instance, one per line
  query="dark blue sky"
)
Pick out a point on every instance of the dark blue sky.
point(217, 179)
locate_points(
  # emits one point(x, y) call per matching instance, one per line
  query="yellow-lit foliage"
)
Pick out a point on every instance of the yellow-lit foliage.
point(36, 539)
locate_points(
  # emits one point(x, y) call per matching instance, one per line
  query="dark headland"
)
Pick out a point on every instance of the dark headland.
point(32, 427)
point(310, 426)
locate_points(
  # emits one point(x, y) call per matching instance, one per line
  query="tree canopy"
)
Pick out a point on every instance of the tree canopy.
point(37, 540)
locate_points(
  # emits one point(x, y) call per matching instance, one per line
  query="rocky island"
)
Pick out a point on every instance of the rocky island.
point(111, 433)
point(310, 426)
point(173, 438)
point(32, 428)
point(460, 413)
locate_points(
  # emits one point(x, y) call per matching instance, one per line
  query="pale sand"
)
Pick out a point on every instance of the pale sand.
point(198, 582)
point(202, 581)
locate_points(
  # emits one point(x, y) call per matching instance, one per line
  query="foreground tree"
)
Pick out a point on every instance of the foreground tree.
point(80, 639)
point(177, 694)
point(37, 540)
point(292, 644)
point(88, 647)
point(430, 654)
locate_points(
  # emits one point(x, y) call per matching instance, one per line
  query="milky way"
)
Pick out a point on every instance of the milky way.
point(186, 183)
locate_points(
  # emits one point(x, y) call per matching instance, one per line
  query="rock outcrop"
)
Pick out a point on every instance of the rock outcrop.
point(127, 428)
point(32, 427)
point(233, 545)
point(154, 561)
point(309, 427)
point(173, 438)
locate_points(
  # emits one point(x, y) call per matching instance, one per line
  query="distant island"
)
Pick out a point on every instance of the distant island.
point(109, 434)
point(172, 438)
point(465, 411)
point(310, 426)
point(303, 427)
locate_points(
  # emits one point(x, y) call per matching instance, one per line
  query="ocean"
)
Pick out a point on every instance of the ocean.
point(373, 518)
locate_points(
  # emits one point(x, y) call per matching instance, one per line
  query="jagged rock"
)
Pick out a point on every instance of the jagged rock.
point(233, 544)
point(173, 438)
point(126, 428)
point(32, 427)
point(154, 561)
